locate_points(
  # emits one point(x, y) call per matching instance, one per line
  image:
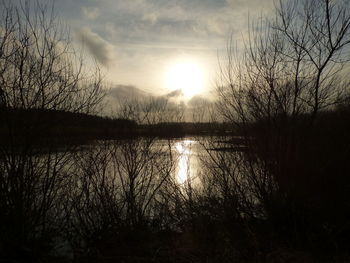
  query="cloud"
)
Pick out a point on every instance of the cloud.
point(254, 6)
point(150, 17)
point(175, 93)
point(97, 46)
point(199, 101)
point(126, 92)
point(120, 94)
point(91, 12)
point(171, 102)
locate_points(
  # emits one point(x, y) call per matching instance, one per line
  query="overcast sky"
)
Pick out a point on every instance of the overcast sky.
point(136, 40)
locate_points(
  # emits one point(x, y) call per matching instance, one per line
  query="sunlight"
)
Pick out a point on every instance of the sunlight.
point(184, 151)
point(187, 76)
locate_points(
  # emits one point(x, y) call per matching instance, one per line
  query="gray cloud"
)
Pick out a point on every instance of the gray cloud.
point(174, 94)
point(181, 21)
point(97, 46)
point(90, 12)
point(196, 107)
point(150, 17)
point(120, 94)
point(126, 92)
point(253, 5)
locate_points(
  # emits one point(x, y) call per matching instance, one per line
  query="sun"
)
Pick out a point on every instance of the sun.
point(185, 75)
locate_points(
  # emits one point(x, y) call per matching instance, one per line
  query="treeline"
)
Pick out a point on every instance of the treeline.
point(69, 126)
point(181, 129)
point(61, 126)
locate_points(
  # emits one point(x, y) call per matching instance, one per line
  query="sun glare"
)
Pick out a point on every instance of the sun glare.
point(186, 76)
point(183, 148)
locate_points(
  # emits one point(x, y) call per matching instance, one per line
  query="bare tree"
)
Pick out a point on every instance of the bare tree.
point(290, 65)
point(94, 208)
point(118, 184)
point(317, 36)
point(39, 66)
point(39, 71)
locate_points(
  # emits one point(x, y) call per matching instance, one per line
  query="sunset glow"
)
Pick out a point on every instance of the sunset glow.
point(186, 76)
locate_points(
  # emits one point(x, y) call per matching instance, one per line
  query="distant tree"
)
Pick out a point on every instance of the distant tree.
point(151, 110)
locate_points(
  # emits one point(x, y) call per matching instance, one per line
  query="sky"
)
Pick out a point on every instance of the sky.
point(138, 42)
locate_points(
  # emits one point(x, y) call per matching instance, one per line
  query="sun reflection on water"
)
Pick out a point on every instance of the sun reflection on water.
point(183, 148)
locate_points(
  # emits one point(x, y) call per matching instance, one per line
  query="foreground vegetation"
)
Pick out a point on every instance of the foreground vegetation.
point(284, 196)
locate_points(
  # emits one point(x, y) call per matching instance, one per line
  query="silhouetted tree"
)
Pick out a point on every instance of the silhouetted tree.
point(39, 69)
point(276, 90)
point(291, 64)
